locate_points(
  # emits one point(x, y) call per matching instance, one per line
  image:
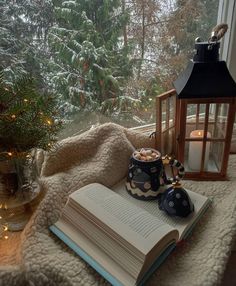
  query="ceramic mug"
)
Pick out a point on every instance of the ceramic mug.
point(146, 177)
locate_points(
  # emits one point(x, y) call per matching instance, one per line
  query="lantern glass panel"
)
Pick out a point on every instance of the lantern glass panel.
point(168, 112)
point(186, 162)
point(215, 156)
point(168, 141)
point(192, 159)
point(193, 156)
point(191, 119)
point(195, 119)
point(171, 104)
point(210, 164)
point(218, 117)
point(164, 114)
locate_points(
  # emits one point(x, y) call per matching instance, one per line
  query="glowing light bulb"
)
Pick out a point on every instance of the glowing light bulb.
point(49, 122)
point(9, 154)
point(13, 116)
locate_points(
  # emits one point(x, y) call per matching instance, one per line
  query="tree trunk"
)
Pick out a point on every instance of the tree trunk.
point(142, 44)
point(125, 27)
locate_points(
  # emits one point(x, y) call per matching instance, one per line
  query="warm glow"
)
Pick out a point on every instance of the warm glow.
point(196, 149)
point(197, 134)
point(9, 154)
point(49, 122)
point(3, 231)
point(25, 100)
point(13, 116)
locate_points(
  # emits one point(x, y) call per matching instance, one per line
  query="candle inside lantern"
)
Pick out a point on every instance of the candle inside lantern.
point(195, 150)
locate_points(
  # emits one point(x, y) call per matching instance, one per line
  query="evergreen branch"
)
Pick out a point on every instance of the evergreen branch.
point(21, 128)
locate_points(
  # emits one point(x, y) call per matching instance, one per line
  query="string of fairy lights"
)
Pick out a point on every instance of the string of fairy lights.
point(27, 122)
point(9, 154)
point(3, 228)
point(14, 153)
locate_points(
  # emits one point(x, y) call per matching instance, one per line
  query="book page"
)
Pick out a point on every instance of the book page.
point(94, 253)
point(134, 224)
point(181, 224)
point(106, 242)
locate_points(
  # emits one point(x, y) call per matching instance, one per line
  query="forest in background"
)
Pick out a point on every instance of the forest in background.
point(105, 60)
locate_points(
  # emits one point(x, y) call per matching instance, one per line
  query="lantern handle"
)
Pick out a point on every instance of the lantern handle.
point(172, 162)
point(218, 32)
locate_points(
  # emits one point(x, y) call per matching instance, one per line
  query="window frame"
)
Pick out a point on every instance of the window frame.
point(226, 14)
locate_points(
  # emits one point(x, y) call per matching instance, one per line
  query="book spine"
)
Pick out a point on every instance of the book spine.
point(157, 263)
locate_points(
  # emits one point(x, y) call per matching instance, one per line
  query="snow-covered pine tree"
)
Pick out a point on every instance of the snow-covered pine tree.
point(89, 54)
point(11, 60)
point(23, 38)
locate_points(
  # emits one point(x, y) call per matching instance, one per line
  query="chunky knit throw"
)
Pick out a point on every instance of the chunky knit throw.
point(102, 155)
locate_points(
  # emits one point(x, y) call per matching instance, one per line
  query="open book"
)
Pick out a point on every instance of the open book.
point(124, 239)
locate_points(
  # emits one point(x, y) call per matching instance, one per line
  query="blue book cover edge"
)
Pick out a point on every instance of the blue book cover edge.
point(160, 259)
point(85, 256)
point(100, 269)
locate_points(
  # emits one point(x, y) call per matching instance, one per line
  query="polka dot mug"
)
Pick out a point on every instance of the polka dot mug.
point(146, 177)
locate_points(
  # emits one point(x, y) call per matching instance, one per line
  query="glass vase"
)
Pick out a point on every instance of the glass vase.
point(18, 190)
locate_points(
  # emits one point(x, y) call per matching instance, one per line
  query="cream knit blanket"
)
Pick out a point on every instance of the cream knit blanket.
point(102, 155)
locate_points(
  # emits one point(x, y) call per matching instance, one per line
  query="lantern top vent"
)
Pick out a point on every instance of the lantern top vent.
point(206, 52)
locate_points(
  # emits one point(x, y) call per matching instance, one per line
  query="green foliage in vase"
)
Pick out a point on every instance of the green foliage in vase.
point(28, 119)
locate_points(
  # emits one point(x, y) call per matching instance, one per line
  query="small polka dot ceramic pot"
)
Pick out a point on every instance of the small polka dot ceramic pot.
point(175, 201)
point(146, 177)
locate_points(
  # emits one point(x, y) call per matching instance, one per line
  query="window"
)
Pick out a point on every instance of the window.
point(105, 60)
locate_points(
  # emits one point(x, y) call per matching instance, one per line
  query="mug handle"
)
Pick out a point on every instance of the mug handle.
point(168, 160)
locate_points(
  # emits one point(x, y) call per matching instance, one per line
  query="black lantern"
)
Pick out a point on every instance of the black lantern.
point(195, 121)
